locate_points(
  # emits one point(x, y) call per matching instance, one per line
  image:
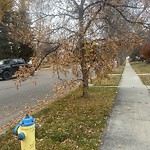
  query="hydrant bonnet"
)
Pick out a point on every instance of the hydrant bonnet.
point(27, 121)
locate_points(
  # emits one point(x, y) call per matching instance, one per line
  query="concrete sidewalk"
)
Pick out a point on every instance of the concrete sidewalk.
point(128, 127)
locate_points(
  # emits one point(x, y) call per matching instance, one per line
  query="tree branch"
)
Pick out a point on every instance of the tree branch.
point(59, 28)
point(125, 6)
point(90, 21)
point(74, 1)
point(55, 15)
point(2, 24)
point(82, 2)
point(125, 18)
point(92, 4)
point(42, 59)
point(58, 75)
point(140, 13)
point(134, 22)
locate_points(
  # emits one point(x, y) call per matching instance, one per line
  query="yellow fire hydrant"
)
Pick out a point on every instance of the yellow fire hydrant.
point(25, 132)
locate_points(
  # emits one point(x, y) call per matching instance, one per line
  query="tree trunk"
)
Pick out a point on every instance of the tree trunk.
point(84, 68)
point(121, 57)
point(83, 51)
point(85, 86)
point(85, 76)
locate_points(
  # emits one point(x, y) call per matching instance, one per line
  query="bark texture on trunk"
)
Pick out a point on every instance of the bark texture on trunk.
point(83, 51)
point(121, 57)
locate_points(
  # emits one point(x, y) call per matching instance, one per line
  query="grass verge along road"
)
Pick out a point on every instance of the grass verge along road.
point(143, 70)
point(71, 122)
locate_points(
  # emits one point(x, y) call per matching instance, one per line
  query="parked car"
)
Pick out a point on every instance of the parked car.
point(8, 67)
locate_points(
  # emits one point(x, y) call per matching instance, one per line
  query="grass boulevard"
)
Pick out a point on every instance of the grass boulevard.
point(143, 71)
point(72, 122)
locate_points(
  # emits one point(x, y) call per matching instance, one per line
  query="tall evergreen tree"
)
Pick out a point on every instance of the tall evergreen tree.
point(5, 40)
point(22, 32)
point(15, 36)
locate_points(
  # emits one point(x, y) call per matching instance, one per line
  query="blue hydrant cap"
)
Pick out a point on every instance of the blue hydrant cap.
point(27, 121)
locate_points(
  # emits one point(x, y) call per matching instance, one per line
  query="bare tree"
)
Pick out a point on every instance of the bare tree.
point(84, 35)
point(89, 32)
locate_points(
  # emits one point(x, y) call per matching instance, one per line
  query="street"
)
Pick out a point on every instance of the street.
point(14, 101)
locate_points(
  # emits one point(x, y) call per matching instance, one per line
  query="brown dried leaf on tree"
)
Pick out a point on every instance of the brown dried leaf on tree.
point(145, 51)
point(84, 36)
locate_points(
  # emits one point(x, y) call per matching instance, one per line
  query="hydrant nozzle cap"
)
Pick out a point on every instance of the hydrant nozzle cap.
point(27, 121)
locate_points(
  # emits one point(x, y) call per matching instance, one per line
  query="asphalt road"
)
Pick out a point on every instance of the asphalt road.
point(14, 101)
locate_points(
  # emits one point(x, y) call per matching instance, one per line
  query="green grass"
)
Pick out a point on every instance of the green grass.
point(142, 68)
point(145, 79)
point(118, 70)
point(70, 123)
point(111, 80)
